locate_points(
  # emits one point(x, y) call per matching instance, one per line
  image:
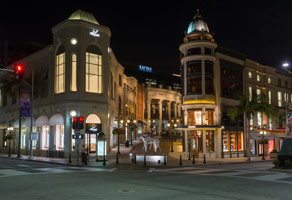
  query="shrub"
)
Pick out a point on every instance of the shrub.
point(288, 164)
point(276, 163)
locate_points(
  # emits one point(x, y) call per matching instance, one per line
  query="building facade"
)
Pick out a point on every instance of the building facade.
point(80, 74)
point(213, 77)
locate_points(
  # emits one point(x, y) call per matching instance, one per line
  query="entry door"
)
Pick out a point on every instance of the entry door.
point(196, 142)
point(91, 141)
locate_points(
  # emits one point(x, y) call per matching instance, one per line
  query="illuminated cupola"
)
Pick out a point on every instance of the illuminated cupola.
point(198, 29)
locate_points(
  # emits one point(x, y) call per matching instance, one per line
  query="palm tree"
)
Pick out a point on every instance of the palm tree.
point(249, 107)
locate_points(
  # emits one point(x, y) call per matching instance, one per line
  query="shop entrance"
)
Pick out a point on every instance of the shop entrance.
point(196, 142)
point(93, 127)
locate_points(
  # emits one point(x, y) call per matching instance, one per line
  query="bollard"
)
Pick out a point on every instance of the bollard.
point(189, 155)
point(194, 162)
point(204, 159)
point(164, 159)
point(145, 159)
point(180, 161)
point(70, 161)
point(117, 162)
point(135, 159)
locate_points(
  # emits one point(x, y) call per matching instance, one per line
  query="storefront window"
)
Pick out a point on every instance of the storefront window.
point(195, 117)
point(90, 141)
point(233, 141)
point(23, 138)
point(196, 142)
point(240, 141)
point(210, 141)
point(226, 143)
point(60, 137)
point(230, 141)
point(45, 137)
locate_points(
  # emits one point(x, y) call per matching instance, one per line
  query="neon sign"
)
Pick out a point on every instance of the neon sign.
point(94, 33)
point(145, 68)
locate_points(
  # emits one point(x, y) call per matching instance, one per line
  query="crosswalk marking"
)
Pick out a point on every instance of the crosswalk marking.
point(263, 175)
point(34, 171)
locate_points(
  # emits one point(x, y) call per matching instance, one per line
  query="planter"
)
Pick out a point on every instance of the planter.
point(274, 155)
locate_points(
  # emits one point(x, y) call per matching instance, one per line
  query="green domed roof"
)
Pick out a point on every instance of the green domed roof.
point(198, 24)
point(82, 15)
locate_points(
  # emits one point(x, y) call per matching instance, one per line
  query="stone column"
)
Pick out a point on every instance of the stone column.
point(175, 110)
point(179, 110)
point(169, 110)
point(160, 117)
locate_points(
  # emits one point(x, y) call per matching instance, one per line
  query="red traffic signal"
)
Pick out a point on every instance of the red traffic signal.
point(78, 123)
point(18, 71)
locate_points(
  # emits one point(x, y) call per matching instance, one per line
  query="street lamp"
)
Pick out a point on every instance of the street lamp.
point(263, 133)
point(118, 122)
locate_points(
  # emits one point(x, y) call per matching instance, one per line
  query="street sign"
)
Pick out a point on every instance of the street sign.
point(34, 135)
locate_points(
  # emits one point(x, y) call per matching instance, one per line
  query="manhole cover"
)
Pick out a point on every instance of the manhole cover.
point(125, 191)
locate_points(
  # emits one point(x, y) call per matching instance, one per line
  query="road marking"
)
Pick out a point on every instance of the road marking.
point(23, 166)
point(112, 169)
point(151, 169)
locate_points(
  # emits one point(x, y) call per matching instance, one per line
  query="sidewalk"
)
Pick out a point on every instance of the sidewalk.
point(110, 159)
point(127, 156)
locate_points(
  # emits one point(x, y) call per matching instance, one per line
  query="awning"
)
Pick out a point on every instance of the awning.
point(199, 127)
point(56, 119)
point(42, 121)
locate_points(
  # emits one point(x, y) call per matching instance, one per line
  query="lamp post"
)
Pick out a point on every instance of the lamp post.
point(118, 121)
point(263, 133)
point(73, 113)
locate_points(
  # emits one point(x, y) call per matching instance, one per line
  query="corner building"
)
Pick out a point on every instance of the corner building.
point(78, 72)
point(211, 77)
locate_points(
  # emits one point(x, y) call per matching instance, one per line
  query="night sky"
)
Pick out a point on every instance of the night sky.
point(150, 34)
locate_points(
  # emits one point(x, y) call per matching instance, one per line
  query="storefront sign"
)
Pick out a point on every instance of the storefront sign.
point(93, 128)
point(25, 103)
point(101, 148)
point(94, 33)
point(145, 68)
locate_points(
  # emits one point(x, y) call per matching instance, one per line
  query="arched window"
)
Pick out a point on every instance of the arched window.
point(60, 70)
point(93, 72)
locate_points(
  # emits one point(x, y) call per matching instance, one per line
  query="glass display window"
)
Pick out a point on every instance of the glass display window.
point(196, 142)
point(210, 141)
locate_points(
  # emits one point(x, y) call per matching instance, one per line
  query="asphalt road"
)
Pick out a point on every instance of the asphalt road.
point(31, 180)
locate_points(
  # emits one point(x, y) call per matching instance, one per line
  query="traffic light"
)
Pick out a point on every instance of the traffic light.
point(78, 123)
point(75, 123)
point(18, 71)
point(81, 123)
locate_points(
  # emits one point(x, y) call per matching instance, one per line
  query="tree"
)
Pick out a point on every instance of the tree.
point(249, 107)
